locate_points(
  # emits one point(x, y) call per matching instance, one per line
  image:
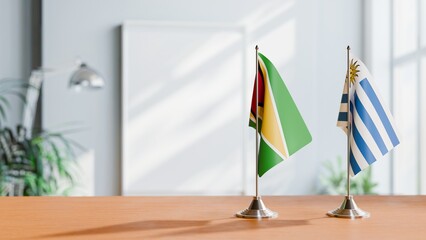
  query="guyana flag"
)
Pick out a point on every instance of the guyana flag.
point(281, 127)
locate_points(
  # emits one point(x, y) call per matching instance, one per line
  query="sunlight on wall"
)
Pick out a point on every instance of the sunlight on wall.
point(198, 56)
point(188, 101)
point(265, 13)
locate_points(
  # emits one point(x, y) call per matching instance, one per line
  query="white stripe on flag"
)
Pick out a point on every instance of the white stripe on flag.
point(359, 158)
point(375, 117)
point(351, 172)
point(343, 107)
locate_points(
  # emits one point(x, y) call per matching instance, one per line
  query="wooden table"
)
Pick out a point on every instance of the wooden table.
point(300, 217)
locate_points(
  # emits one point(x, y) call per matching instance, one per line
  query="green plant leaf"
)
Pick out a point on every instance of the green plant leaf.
point(48, 159)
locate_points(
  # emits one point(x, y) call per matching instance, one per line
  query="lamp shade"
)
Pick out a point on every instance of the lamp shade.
point(86, 77)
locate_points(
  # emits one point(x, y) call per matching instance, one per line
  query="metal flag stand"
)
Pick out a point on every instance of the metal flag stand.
point(348, 209)
point(257, 208)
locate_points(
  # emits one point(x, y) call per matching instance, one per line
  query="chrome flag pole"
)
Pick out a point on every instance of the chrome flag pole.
point(257, 208)
point(348, 209)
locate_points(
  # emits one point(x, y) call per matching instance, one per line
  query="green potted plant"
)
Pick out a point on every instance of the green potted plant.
point(40, 164)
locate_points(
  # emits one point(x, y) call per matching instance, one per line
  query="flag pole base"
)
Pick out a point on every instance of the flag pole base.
point(257, 209)
point(348, 209)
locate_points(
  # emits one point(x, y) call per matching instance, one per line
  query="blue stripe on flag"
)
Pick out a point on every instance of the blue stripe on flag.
point(354, 165)
point(344, 98)
point(379, 109)
point(369, 123)
point(362, 145)
point(343, 116)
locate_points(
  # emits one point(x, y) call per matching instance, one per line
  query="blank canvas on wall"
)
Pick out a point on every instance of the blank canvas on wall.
point(183, 109)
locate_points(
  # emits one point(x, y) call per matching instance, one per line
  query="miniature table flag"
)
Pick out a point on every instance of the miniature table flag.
point(372, 128)
point(281, 127)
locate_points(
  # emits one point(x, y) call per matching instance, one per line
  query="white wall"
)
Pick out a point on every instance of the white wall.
point(306, 39)
point(15, 47)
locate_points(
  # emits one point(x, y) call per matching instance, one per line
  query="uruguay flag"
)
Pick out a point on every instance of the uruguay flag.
point(372, 128)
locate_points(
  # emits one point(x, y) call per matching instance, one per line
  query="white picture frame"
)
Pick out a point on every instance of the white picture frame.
point(170, 65)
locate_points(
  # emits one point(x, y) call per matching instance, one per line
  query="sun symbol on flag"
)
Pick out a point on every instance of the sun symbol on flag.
point(353, 68)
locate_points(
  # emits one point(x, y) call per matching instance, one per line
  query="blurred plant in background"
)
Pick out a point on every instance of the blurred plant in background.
point(333, 180)
point(36, 165)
